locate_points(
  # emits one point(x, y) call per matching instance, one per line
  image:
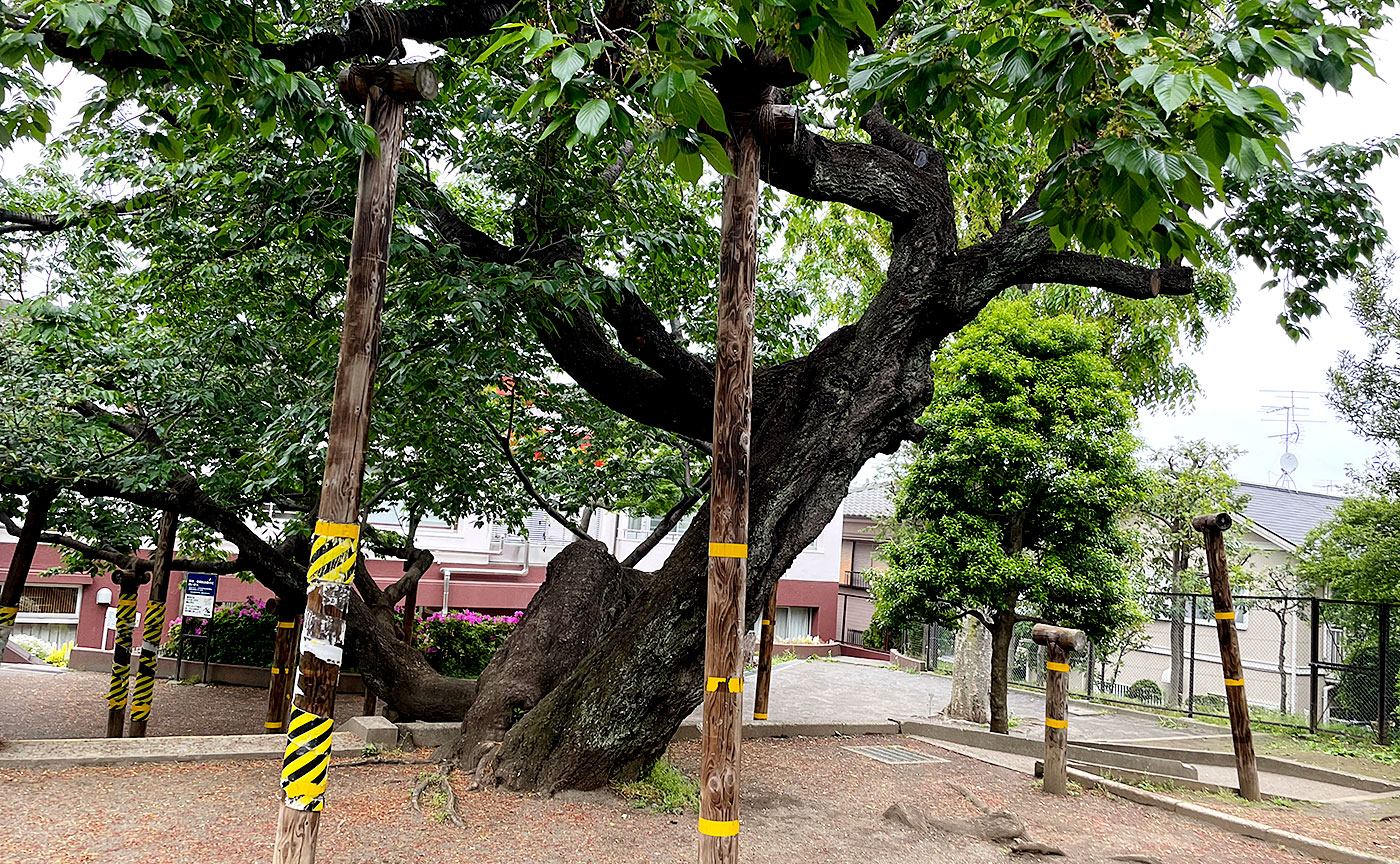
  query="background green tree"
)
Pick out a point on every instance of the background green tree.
point(1011, 507)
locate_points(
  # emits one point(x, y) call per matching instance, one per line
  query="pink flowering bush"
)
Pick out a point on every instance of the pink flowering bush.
point(242, 633)
point(460, 644)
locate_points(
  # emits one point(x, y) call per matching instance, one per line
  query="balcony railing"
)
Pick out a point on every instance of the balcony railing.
point(856, 579)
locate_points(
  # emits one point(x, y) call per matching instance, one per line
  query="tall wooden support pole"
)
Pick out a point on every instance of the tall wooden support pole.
point(279, 687)
point(335, 544)
point(765, 658)
point(153, 623)
point(1058, 642)
point(35, 515)
point(127, 584)
point(729, 509)
point(1213, 528)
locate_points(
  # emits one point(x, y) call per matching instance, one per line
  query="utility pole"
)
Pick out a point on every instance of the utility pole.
point(143, 693)
point(35, 515)
point(1213, 527)
point(729, 497)
point(384, 91)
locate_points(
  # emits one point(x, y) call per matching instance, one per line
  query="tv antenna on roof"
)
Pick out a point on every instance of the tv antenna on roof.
point(1292, 410)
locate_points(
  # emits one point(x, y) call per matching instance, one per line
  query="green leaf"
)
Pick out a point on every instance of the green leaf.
point(162, 7)
point(1172, 91)
point(137, 19)
point(713, 151)
point(1133, 44)
point(593, 116)
point(689, 166)
point(710, 109)
point(566, 64)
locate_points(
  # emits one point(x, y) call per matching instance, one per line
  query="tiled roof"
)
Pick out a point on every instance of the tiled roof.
point(871, 501)
point(1286, 512)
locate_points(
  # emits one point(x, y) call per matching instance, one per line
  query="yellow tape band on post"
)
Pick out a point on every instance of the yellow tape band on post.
point(758, 716)
point(286, 623)
point(333, 555)
point(1057, 667)
point(736, 685)
point(1056, 724)
point(8, 615)
point(272, 725)
point(1234, 682)
point(337, 529)
point(306, 760)
point(719, 829)
point(767, 623)
point(1224, 616)
point(729, 550)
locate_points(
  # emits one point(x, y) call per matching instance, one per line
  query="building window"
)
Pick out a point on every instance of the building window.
point(793, 622)
point(49, 603)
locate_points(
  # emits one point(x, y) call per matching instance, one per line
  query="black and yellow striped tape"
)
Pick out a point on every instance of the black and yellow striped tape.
point(333, 552)
point(154, 623)
point(116, 693)
point(8, 615)
point(306, 760)
point(143, 692)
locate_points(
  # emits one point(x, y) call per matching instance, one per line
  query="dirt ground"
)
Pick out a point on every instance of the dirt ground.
point(74, 705)
point(1366, 826)
point(804, 800)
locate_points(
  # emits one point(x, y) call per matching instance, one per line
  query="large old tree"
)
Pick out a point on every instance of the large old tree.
point(548, 232)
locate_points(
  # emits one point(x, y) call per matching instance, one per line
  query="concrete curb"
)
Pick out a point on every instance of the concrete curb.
point(1320, 849)
point(72, 752)
point(774, 729)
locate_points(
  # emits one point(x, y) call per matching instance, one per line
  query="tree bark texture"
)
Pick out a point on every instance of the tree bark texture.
point(972, 674)
point(1003, 627)
point(153, 623)
point(335, 546)
point(764, 679)
point(35, 515)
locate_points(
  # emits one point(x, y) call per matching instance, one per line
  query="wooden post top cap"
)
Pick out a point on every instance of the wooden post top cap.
point(406, 82)
point(1212, 521)
point(1065, 637)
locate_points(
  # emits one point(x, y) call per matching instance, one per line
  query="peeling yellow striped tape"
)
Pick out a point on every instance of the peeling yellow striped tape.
point(8, 615)
point(332, 558)
point(736, 685)
point(719, 829)
point(306, 760)
point(337, 529)
point(1056, 724)
point(729, 550)
point(1057, 667)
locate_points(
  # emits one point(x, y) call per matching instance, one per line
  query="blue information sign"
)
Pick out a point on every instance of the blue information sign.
point(200, 589)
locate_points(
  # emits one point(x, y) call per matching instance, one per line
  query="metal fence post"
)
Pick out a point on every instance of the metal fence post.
point(1383, 677)
point(1191, 665)
point(1315, 612)
point(1089, 673)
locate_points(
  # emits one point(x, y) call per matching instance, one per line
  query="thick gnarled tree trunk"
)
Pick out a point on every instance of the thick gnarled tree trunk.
point(972, 674)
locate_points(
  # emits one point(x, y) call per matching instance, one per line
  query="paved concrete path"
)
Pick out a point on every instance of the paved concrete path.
point(846, 692)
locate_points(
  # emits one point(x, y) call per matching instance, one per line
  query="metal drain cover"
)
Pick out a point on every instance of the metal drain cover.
point(894, 755)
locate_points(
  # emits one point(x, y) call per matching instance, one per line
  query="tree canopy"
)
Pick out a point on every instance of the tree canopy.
point(1012, 506)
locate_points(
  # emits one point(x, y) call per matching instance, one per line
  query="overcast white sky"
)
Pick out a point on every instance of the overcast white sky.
point(1250, 353)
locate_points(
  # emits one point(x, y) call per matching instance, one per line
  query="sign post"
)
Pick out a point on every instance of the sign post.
point(200, 594)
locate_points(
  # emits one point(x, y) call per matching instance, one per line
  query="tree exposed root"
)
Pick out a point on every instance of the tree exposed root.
point(448, 804)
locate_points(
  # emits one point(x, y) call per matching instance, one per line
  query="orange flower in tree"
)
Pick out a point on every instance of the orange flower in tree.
point(539, 457)
point(599, 463)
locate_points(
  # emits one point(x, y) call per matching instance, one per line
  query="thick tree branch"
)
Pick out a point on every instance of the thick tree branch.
point(503, 442)
point(1117, 277)
point(123, 560)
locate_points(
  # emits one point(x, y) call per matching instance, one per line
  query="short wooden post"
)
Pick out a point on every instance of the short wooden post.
point(384, 91)
point(765, 658)
point(279, 686)
point(35, 514)
point(153, 624)
point(1058, 642)
point(117, 690)
point(1213, 528)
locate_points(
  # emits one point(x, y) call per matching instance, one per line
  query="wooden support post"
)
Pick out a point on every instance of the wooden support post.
point(127, 584)
point(1058, 642)
point(1213, 528)
point(335, 545)
point(35, 515)
point(279, 687)
point(410, 612)
point(765, 658)
point(729, 509)
point(153, 623)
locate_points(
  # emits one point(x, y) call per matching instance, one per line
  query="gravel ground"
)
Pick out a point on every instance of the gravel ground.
point(74, 705)
point(1366, 826)
point(804, 800)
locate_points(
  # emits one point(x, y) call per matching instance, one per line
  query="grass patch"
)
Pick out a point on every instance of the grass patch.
point(664, 789)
